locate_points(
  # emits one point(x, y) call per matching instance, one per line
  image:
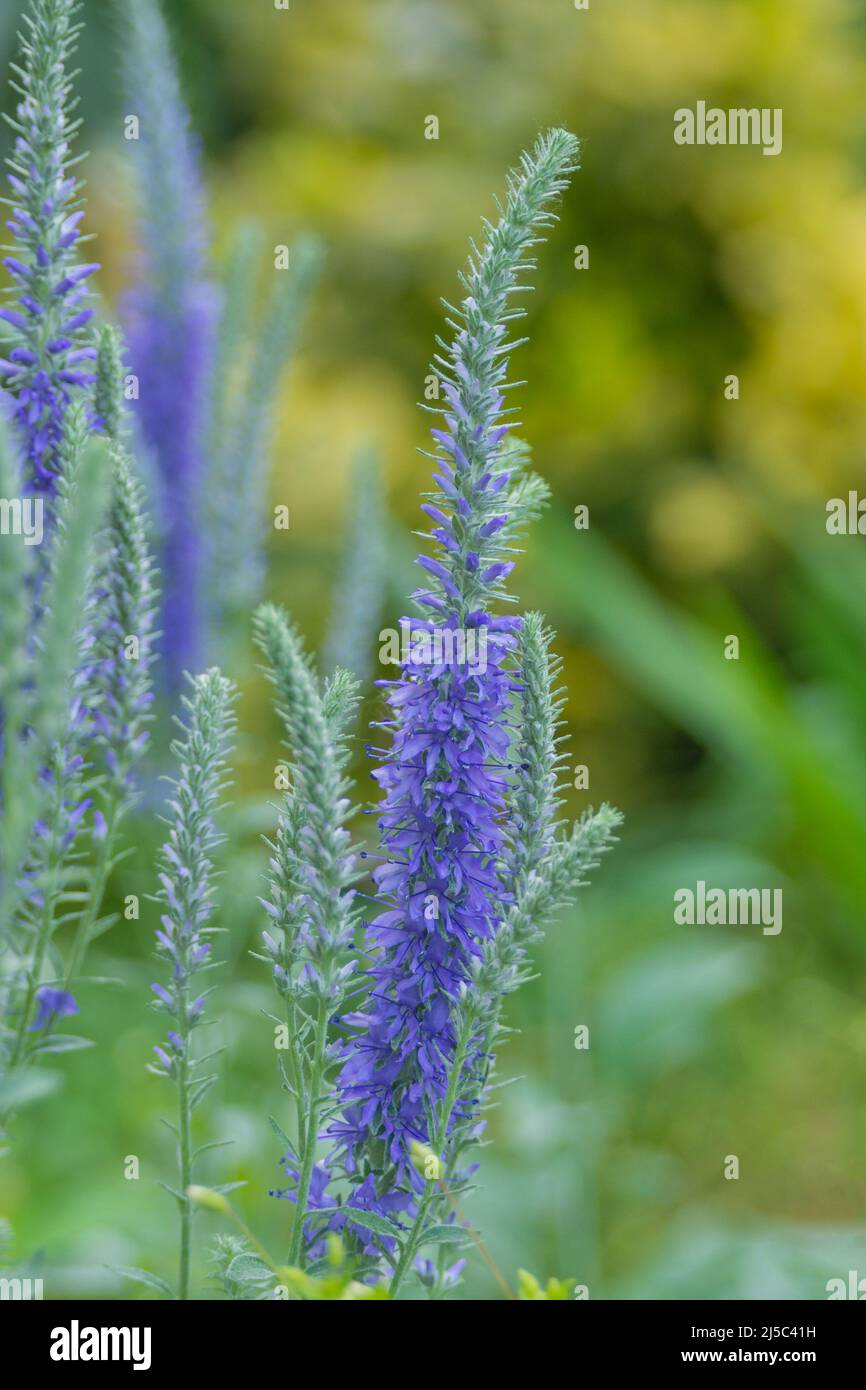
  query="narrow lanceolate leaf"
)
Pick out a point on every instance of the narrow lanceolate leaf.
point(62, 1042)
point(445, 1235)
point(143, 1276)
point(378, 1224)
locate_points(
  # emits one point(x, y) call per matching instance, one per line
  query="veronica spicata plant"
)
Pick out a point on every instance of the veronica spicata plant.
point(48, 350)
point(207, 381)
point(76, 707)
point(57, 398)
point(171, 317)
point(467, 821)
point(186, 876)
point(123, 606)
point(309, 944)
point(67, 776)
point(545, 863)
point(43, 803)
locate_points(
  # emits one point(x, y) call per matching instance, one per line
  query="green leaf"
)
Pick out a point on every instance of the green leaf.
point(200, 1090)
point(172, 1192)
point(16, 1092)
point(249, 1269)
point(101, 926)
point(280, 1133)
point(143, 1276)
point(63, 1042)
point(369, 1220)
point(444, 1235)
point(100, 980)
point(287, 1085)
point(213, 1144)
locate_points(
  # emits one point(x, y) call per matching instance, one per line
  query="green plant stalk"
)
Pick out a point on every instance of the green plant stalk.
point(316, 1079)
point(410, 1248)
point(294, 1065)
point(185, 1155)
point(486, 1047)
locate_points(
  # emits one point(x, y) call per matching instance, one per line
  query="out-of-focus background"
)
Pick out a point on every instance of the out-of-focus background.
point(707, 519)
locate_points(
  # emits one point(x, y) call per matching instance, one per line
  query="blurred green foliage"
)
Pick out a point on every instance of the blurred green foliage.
point(706, 519)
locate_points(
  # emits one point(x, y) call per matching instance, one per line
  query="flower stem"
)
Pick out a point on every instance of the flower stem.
point(310, 1136)
point(185, 1156)
point(410, 1249)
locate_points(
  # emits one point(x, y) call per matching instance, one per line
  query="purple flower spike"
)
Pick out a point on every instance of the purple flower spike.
point(171, 321)
point(45, 227)
point(443, 821)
